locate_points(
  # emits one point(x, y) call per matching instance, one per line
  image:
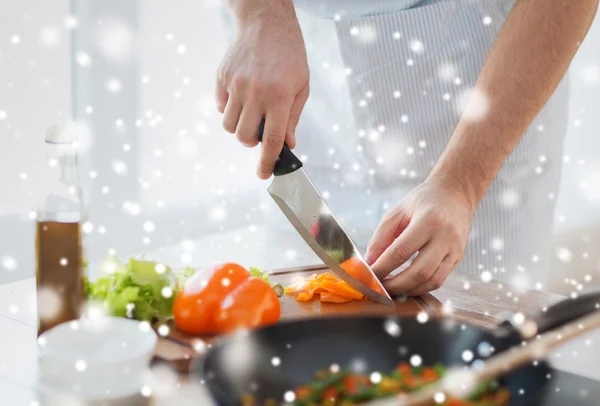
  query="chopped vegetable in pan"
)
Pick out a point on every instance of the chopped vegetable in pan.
point(344, 388)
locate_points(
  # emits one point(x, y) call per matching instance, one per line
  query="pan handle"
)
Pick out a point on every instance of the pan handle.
point(566, 311)
point(287, 161)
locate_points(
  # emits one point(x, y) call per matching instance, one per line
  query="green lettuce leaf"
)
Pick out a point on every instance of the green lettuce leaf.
point(144, 290)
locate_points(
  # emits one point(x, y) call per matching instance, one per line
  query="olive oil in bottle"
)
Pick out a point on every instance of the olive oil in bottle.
point(58, 236)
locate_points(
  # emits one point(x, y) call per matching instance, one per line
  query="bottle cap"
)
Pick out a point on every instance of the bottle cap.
point(65, 133)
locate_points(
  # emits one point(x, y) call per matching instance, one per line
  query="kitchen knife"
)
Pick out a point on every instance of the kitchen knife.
point(300, 201)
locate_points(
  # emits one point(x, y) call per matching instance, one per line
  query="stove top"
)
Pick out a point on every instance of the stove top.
point(566, 389)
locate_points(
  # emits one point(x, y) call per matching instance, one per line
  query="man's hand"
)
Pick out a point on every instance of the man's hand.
point(433, 219)
point(264, 75)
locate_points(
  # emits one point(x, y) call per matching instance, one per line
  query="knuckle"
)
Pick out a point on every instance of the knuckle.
point(255, 86)
point(239, 83)
point(422, 275)
point(401, 253)
point(455, 236)
point(435, 217)
point(437, 281)
point(278, 91)
point(229, 126)
point(265, 168)
point(246, 138)
point(222, 74)
point(294, 120)
point(392, 214)
point(274, 140)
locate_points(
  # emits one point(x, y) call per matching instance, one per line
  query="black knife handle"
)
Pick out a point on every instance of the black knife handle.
point(287, 162)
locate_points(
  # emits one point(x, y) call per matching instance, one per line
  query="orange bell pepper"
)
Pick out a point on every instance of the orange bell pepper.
point(341, 288)
point(329, 297)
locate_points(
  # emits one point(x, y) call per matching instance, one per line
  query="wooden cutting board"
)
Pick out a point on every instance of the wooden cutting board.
point(181, 350)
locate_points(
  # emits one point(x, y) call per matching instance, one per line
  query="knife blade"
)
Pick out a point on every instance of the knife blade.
point(306, 209)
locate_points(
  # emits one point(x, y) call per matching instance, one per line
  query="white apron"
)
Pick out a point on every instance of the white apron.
point(412, 63)
point(387, 81)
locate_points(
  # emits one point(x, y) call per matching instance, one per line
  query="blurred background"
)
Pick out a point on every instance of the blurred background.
point(158, 171)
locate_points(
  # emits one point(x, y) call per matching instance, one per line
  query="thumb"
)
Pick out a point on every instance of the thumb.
point(295, 112)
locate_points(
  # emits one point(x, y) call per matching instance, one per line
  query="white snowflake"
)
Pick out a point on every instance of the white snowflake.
point(87, 227)
point(591, 74)
point(164, 330)
point(446, 72)
point(49, 36)
point(564, 254)
point(132, 208)
point(113, 85)
point(9, 263)
point(83, 60)
point(15, 39)
point(289, 396)
point(146, 391)
point(486, 276)
point(3, 114)
point(487, 20)
point(439, 397)
point(375, 377)
point(467, 356)
point(416, 46)
point(71, 22)
point(473, 104)
point(416, 360)
point(392, 328)
point(497, 244)
point(115, 41)
point(49, 303)
point(422, 317)
point(80, 365)
point(366, 34)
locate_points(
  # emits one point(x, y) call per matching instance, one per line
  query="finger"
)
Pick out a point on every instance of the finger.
point(295, 112)
point(221, 96)
point(437, 279)
point(391, 226)
point(273, 138)
point(247, 128)
point(232, 115)
point(411, 240)
point(419, 271)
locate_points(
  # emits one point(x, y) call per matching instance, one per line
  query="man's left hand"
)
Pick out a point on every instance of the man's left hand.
point(434, 219)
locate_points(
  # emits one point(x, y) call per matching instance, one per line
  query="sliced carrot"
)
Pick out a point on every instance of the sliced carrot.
point(300, 287)
point(355, 267)
point(327, 276)
point(305, 296)
point(329, 297)
point(341, 288)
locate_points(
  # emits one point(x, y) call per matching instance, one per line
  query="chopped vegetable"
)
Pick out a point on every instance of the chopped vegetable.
point(258, 273)
point(327, 286)
point(143, 290)
point(344, 388)
point(278, 288)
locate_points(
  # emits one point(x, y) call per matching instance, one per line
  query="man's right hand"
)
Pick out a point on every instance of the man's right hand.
point(264, 74)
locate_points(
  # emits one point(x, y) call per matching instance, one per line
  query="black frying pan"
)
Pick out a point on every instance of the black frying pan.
point(248, 363)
